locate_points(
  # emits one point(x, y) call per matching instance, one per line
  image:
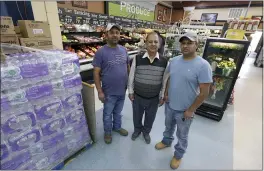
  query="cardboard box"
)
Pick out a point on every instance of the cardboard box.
point(10, 39)
point(36, 43)
point(31, 29)
point(7, 25)
point(17, 30)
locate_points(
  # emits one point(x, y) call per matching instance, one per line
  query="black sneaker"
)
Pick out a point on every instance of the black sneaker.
point(135, 135)
point(147, 138)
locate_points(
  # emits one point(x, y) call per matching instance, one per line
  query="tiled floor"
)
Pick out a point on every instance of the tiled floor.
point(233, 143)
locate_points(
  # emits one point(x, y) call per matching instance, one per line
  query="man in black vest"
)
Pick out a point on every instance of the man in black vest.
point(145, 86)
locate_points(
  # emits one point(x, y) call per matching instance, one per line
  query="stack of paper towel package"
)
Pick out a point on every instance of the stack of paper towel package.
point(42, 116)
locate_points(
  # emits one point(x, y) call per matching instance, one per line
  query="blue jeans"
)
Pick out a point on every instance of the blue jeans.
point(112, 117)
point(173, 118)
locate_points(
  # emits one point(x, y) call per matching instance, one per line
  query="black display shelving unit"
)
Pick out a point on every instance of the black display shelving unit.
point(231, 54)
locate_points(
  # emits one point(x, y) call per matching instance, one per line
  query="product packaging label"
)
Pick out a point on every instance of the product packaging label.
point(37, 31)
point(23, 140)
point(19, 123)
point(72, 82)
point(38, 92)
point(10, 73)
point(53, 126)
point(17, 97)
point(34, 70)
point(57, 84)
point(75, 116)
point(48, 111)
point(72, 101)
point(67, 68)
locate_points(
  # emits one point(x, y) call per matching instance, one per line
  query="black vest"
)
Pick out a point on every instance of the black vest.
point(149, 76)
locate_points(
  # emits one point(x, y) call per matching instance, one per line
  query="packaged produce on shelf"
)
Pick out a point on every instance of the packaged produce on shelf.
point(83, 39)
point(244, 24)
point(37, 113)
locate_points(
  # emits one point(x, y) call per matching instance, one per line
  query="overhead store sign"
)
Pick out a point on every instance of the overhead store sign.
point(134, 10)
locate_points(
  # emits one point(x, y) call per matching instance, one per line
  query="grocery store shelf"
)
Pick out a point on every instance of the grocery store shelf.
point(86, 67)
point(86, 64)
point(132, 52)
point(101, 42)
point(83, 43)
point(220, 75)
point(85, 60)
point(202, 27)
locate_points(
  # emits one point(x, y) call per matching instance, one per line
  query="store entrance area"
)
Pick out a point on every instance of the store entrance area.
point(224, 145)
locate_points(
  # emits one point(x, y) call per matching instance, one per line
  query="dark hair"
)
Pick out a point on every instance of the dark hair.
point(161, 41)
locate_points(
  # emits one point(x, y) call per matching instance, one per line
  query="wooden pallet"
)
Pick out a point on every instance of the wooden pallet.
point(72, 157)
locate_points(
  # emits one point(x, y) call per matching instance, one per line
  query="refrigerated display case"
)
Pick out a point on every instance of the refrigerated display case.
point(226, 58)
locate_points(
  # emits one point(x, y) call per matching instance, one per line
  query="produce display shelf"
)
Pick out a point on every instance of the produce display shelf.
point(82, 61)
point(88, 43)
point(223, 76)
point(72, 157)
point(83, 43)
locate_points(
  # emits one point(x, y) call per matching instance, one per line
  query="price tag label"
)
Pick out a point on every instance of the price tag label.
point(78, 20)
point(61, 18)
point(86, 20)
point(95, 22)
point(102, 22)
point(68, 19)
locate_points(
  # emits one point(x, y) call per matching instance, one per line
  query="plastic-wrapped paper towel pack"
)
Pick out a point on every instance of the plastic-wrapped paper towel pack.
point(42, 116)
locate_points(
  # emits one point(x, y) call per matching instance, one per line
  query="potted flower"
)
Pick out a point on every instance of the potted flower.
point(227, 67)
point(218, 85)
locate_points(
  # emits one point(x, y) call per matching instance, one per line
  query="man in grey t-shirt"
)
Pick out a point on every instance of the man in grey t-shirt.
point(189, 78)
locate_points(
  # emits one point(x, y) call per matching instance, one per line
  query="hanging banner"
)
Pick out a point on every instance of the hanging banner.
point(134, 10)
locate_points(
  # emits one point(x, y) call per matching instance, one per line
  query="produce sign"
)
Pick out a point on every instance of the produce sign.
point(134, 10)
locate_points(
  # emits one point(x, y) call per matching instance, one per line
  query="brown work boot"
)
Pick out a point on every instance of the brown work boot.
point(175, 163)
point(160, 146)
point(122, 132)
point(108, 139)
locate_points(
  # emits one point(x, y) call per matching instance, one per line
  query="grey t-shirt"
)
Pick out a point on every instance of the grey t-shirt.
point(185, 77)
point(114, 74)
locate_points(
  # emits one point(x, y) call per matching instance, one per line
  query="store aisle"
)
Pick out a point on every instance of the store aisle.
point(248, 117)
